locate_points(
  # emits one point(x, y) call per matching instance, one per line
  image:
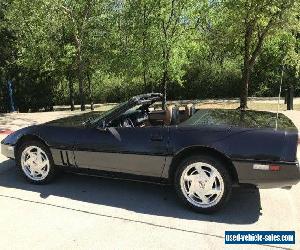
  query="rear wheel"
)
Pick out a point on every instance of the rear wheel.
point(203, 183)
point(35, 162)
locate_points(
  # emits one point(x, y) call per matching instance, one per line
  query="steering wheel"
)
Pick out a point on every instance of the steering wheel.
point(127, 122)
point(144, 118)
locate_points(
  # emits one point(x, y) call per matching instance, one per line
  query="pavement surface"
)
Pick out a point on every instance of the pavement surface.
point(81, 212)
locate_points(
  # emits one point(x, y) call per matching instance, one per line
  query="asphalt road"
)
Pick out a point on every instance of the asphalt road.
point(81, 212)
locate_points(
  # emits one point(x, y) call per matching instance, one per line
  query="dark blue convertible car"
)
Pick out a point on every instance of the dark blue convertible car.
point(203, 153)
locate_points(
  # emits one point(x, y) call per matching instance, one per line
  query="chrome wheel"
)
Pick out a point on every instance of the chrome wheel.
point(35, 163)
point(202, 184)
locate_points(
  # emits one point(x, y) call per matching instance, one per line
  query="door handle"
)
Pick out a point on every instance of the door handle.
point(156, 138)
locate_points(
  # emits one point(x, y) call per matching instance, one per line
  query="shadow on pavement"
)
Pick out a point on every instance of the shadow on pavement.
point(243, 208)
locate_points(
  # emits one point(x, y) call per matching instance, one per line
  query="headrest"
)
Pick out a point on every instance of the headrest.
point(190, 110)
point(171, 115)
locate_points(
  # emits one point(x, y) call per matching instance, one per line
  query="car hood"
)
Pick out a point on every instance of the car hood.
point(74, 120)
point(238, 118)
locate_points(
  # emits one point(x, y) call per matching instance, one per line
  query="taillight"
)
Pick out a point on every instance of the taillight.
point(274, 168)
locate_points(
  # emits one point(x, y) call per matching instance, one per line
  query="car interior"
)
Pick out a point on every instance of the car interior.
point(144, 115)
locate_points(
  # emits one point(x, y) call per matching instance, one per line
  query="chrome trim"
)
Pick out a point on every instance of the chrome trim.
point(8, 151)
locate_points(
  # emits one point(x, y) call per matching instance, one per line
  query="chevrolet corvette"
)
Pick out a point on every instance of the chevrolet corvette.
point(202, 152)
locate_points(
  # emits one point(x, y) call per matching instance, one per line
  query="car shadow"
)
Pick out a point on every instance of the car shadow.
point(243, 208)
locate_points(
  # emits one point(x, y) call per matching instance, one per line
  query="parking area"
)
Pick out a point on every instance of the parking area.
point(82, 212)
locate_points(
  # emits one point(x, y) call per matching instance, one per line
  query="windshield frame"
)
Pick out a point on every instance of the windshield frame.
point(104, 119)
point(108, 115)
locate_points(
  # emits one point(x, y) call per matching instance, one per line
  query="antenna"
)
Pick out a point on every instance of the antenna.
point(278, 103)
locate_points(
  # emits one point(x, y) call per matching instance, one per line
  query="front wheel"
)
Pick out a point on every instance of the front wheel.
point(35, 162)
point(203, 183)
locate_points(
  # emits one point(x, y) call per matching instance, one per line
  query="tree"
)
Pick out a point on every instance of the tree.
point(35, 61)
point(79, 13)
point(96, 50)
point(253, 21)
point(88, 23)
point(177, 20)
point(58, 38)
point(139, 24)
point(7, 56)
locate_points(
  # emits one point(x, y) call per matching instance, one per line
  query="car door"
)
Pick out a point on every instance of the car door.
point(140, 151)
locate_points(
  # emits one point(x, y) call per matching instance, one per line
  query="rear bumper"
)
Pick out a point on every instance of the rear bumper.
point(287, 176)
point(8, 151)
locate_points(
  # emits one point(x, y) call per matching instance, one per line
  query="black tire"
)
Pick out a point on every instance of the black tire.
point(52, 169)
point(220, 167)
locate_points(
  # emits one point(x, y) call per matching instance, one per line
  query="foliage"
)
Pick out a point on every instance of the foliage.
point(87, 51)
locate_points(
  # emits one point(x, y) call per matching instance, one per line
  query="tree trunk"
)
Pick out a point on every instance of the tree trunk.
point(164, 89)
point(249, 59)
point(90, 91)
point(144, 47)
point(166, 57)
point(80, 81)
point(71, 93)
point(144, 78)
point(80, 73)
point(244, 89)
point(246, 69)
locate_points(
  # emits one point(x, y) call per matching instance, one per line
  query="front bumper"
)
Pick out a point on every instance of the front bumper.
point(287, 176)
point(8, 151)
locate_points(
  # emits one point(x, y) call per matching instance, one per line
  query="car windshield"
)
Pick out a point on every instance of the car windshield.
point(94, 120)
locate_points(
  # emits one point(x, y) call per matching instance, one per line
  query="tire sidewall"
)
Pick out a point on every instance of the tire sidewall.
point(51, 172)
point(221, 169)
